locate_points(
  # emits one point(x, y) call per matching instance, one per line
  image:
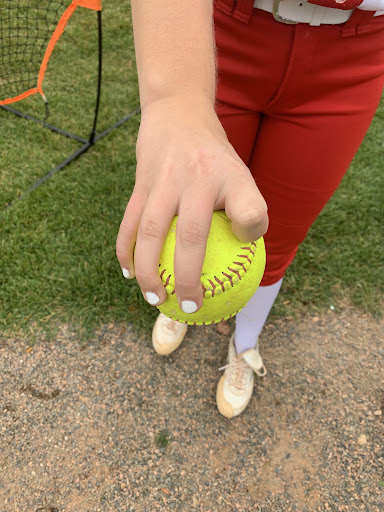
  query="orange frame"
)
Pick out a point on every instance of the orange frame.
point(88, 4)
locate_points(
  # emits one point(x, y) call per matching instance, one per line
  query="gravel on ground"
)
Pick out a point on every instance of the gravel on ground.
point(109, 425)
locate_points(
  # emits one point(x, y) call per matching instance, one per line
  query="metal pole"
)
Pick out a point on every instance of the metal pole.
point(93, 132)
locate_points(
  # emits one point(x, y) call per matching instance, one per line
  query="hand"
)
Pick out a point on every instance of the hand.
point(185, 167)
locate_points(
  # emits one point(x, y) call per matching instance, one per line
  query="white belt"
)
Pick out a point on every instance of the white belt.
point(300, 11)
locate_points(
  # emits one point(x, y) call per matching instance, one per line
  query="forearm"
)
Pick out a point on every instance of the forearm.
point(174, 46)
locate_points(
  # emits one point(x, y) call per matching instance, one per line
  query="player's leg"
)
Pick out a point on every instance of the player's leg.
point(298, 162)
point(248, 78)
point(307, 137)
point(312, 129)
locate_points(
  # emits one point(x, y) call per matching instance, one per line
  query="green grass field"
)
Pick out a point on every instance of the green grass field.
point(58, 259)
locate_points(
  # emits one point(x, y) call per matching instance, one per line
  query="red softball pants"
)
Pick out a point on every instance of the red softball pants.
point(295, 102)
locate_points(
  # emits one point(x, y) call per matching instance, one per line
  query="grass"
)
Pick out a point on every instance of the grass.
point(57, 245)
point(162, 439)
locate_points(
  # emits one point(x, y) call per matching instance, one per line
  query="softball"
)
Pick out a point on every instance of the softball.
point(231, 273)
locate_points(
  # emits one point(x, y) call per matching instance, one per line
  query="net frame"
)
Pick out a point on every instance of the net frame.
point(86, 143)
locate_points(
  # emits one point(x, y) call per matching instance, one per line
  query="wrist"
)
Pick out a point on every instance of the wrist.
point(182, 99)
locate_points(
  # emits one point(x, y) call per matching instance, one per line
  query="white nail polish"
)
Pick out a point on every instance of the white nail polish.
point(152, 298)
point(188, 306)
point(125, 273)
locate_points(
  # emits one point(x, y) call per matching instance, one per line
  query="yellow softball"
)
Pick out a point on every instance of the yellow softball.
point(231, 273)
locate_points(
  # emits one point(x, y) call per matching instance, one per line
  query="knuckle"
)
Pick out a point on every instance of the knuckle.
point(146, 278)
point(193, 235)
point(207, 162)
point(186, 285)
point(253, 217)
point(205, 159)
point(140, 191)
point(240, 172)
point(127, 230)
point(150, 229)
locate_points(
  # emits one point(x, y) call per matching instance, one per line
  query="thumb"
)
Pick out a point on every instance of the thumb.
point(246, 207)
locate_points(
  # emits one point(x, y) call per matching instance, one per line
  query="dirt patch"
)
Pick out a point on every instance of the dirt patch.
point(79, 423)
point(287, 465)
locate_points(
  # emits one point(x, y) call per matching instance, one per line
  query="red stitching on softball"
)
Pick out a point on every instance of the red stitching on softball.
point(244, 256)
point(235, 272)
point(213, 287)
point(241, 264)
point(229, 277)
point(220, 283)
point(168, 278)
point(249, 249)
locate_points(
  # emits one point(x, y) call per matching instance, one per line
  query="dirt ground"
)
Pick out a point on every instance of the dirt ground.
point(79, 423)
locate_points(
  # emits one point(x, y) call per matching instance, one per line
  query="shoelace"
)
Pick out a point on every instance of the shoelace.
point(242, 364)
point(236, 376)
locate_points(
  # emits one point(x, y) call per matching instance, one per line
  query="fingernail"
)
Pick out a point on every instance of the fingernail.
point(188, 306)
point(152, 298)
point(125, 273)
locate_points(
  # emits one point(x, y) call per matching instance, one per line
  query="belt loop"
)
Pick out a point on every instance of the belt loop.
point(357, 23)
point(243, 10)
point(226, 6)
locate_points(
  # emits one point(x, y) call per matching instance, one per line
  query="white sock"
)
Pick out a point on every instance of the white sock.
point(251, 319)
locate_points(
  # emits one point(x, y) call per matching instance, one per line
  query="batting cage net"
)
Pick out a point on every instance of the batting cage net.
point(29, 30)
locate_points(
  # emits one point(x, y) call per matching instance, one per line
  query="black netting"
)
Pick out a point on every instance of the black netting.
point(26, 26)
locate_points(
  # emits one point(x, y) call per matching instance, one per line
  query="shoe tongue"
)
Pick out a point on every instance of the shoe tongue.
point(253, 359)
